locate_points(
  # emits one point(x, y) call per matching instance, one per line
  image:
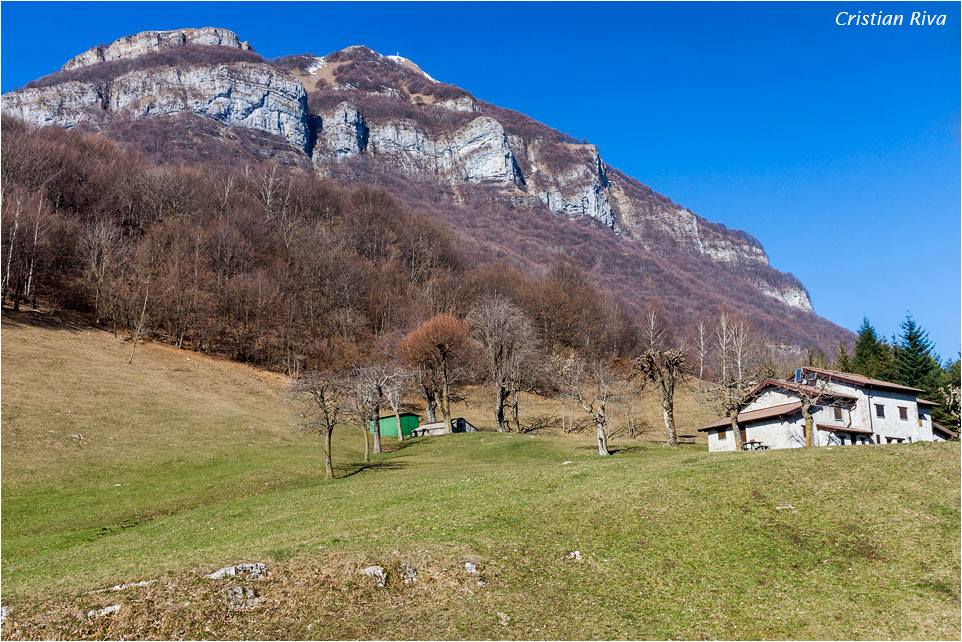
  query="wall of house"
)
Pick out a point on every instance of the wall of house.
point(787, 432)
point(864, 415)
point(768, 399)
point(720, 445)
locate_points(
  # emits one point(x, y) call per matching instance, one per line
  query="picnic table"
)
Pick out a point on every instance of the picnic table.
point(686, 439)
point(754, 445)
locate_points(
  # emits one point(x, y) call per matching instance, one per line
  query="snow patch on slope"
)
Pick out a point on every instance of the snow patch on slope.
point(404, 62)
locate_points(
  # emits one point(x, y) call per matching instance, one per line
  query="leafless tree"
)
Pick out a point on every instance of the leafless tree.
point(40, 223)
point(740, 361)
point(437, 345)
point(13, 212)
point(591, 384)
point(701, 341)
point(814, 391)
point(507, 343)
point(628, 391)
point(370, 385)
point(566, 378)
point(396, 387)
point(97, 244)
point(326, 398)
point(663, 364)
point(428, 387)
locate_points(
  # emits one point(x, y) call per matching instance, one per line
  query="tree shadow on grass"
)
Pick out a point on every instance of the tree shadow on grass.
point(350, 470)
point(394, 446)
point(47, 318)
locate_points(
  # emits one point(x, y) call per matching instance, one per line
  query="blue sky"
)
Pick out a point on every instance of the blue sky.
point(837, 147)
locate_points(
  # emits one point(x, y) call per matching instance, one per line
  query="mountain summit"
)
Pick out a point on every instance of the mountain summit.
point(357, 115)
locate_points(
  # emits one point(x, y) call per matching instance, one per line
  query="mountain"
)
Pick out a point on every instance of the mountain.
point(516, 188)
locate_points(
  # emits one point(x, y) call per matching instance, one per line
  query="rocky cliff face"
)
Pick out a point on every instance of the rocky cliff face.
point(150, 41)
point(246, 94)
point(356, 103)
point(476, 153)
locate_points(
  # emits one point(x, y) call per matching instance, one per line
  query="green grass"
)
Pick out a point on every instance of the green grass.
point(674, 542)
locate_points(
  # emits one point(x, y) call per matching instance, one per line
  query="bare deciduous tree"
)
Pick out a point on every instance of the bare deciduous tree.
point(436, 345)
point(814, 391)
point(325, 397)
point(701, 341)
point(97, 244)
point(507, 342)
point(591, 385)
point(663, 364)
point(628, 391)
point(370, 385)
point(428, 386)
point(395, 388)
point(740, 361)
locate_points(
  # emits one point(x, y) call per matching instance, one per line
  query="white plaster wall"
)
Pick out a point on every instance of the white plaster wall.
point(863, 416)
point(720, 445)
point(778, 433)
point(768, 399)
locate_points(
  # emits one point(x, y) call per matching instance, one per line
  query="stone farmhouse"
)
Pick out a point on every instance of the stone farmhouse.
point(848, 409)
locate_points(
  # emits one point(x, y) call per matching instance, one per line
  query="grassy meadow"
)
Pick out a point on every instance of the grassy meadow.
point(188, 464)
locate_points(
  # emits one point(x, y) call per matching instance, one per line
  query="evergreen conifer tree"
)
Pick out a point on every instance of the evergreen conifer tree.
point(873, 357)
point(914, 363)
point(843, 360)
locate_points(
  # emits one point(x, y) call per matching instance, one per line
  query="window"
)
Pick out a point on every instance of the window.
point(722, 435)
point(880, 411)
point(903, 413)
point(838, 414)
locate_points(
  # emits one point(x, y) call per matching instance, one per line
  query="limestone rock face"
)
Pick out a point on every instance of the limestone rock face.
point(475, 153)
point(464, 103)
point(580, 188)
point(342, 134)
point(148, 41)
point(246, 94)
point(67, 104)
point(480, 150)
point(793, 297)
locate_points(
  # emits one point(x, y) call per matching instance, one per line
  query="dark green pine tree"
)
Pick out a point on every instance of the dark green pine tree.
point(914, 363)
point(843, 360)
point(873, 357)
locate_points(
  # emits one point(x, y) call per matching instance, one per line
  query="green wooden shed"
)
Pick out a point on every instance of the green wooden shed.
point(388, 425)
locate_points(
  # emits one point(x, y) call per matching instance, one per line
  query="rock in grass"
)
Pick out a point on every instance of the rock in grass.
point(471, 568)
point(409, 574)
point(242, 598)
point(784, 507)
point(574, 555)
point(253, 571)
point(107, 610)
point(121, 587)
point(376, 573)
point(4, 612)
